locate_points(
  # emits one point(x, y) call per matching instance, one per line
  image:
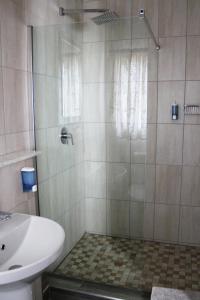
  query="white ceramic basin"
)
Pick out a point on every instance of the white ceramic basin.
point(30, 242)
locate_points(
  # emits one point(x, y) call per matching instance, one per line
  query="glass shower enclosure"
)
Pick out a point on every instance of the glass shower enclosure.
point(94, 98)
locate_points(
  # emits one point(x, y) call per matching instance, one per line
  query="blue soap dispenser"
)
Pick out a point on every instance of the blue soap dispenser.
point(28, 179)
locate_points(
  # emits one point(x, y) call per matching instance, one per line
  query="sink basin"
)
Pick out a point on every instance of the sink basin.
point(28, 245)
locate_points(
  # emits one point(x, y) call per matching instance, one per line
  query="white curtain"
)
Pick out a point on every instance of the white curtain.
point(130, 92)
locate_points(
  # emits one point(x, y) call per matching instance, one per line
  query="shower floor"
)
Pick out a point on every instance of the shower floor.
point(132, 263)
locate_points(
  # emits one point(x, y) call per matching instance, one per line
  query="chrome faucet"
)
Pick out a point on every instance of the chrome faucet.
point(65, 136)
point(4, 216)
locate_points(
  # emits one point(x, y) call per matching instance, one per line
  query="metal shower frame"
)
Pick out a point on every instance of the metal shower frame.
point(143, 16)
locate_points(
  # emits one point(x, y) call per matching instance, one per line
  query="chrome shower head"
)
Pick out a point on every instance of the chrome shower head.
point(107, 17)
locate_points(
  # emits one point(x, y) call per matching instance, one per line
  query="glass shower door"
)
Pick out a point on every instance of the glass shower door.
point(98, 84)
point(57, 68)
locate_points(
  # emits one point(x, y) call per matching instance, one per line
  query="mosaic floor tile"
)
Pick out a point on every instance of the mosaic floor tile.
point(133, 263)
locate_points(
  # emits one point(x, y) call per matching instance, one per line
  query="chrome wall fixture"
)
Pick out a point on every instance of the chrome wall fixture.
point(106, 15)
point(143, 16)
point(65, 136)
point(191, 109)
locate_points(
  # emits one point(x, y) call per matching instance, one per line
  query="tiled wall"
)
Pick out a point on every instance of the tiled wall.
point(16, 116)
point(177, 164)
point(170, 209)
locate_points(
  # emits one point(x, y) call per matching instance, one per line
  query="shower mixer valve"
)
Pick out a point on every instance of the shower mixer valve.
point(65, 136)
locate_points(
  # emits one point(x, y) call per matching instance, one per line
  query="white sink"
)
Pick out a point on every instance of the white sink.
point(28, 245)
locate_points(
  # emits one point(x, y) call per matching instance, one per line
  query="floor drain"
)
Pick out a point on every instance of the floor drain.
point(14, 267)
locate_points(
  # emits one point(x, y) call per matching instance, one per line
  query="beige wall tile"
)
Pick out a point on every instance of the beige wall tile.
point(191, 153)
point(36, 10)
point(15, 101)
point(193, 27)
point(52, 101)
point(76, 184)
point(7, 194)
point(138, 150)
point(192, 97)
point(42, 162)
point(11, 187)
point(122, 8)
point(150, 179)
point(151, 144)
point(118, 179)
point(141, 220)
point(144, 149)
point(77, 223)
point(172, 17)
point(166, 222)
point(168, 184)
point(46, 12)
point(39, 47)
point(94, 139)
point(18, 142)
point(190, 186)
point(45, 205)
point(152, 99)
point(152, 61)
point(170, 92)
point(40, 101)
point(142, 182)
point(2, 122)
point(138, 182)
point(14, 36)
point(94, 102)
point(120, 30)
point(118, 218)
point(193, 58)
point(15, 112)
point(172, 58)
point(26, 207)
point(151, 7)
point(95, 180)
point(190, 225)
point(118, 144)
point(93, 55)
point(169, 144)
point(93, 33)
point(2, 146)
point(95, 214)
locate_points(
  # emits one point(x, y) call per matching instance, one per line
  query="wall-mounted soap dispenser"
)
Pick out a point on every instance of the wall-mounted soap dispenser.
point(28, 179)
point(174, 111)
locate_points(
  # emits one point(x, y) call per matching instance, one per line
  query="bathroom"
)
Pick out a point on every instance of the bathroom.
point(99, 99)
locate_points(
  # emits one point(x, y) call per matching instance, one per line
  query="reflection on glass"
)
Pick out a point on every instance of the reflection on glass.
point(71, 82)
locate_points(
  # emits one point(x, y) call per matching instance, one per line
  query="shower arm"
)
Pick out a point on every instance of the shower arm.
point(142, 16)
point(64, 12)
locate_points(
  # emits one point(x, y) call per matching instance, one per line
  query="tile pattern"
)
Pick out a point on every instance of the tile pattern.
point(133, 263)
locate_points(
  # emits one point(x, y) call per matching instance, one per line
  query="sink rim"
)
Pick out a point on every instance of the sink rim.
point(26, 272)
